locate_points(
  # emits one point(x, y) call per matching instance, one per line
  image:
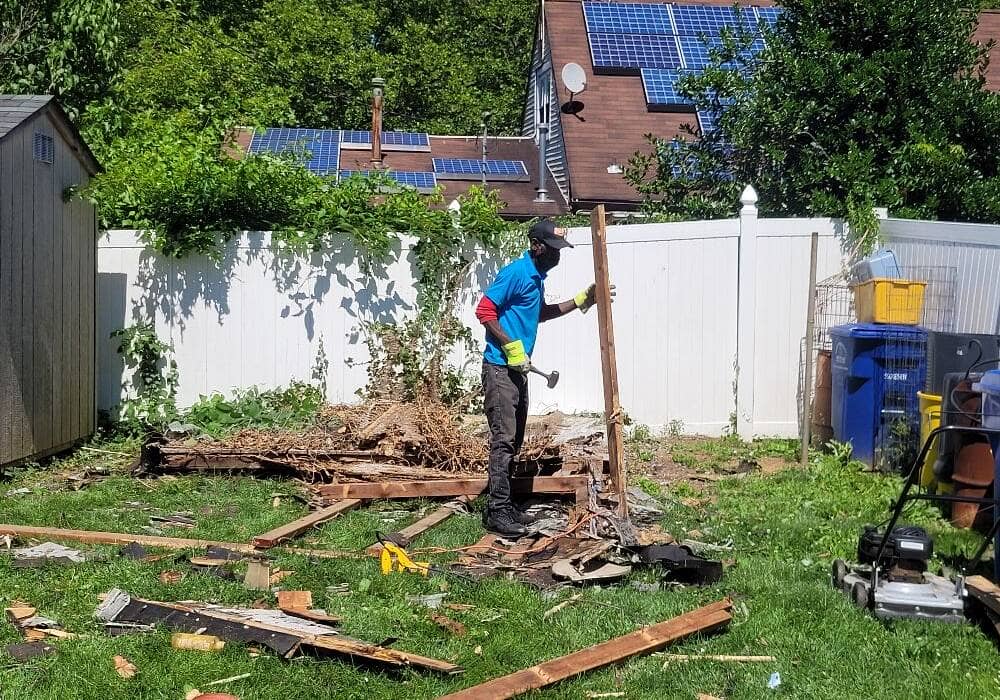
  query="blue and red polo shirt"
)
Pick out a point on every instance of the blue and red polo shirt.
point(518, 293)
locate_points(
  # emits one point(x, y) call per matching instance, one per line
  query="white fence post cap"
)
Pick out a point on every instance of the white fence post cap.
point(749, 196)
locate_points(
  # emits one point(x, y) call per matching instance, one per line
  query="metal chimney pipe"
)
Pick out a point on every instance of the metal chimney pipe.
point(544, 93)
point(377, 85)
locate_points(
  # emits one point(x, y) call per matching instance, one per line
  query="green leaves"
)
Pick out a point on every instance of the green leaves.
point(851, 105)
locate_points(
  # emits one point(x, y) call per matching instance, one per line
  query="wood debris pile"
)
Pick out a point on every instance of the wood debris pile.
point(377, 440)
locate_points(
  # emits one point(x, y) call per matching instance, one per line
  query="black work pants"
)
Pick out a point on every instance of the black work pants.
point(506, 403)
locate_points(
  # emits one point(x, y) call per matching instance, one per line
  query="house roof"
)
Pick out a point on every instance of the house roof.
point(16, 110)
point(518, 196)
point(615, 119)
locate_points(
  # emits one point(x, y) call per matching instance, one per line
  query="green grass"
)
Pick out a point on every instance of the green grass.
point(786, 529)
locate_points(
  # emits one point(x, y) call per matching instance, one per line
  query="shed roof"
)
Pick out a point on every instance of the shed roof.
point(15, 110)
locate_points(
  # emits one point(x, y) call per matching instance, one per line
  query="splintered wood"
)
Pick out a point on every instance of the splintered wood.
point(609, 364)
point(649, 639)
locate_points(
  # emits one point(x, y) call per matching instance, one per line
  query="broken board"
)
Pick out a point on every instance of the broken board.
point(295, 528)
point(649, 639)
point(609, 364)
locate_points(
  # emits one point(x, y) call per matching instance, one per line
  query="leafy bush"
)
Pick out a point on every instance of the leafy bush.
point(293, 407)
point(851, 105)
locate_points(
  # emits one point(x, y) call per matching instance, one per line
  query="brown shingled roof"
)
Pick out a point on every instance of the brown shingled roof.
point(518, 197)
point(615, 118)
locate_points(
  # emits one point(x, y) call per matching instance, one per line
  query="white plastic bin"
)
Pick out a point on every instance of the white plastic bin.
point(989, 385)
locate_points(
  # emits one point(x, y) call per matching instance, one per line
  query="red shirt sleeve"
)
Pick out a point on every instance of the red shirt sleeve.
point(486, 310)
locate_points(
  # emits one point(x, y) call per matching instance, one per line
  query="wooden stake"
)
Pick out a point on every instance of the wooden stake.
point(810, 326)
point(609, 365)
point(649, 639)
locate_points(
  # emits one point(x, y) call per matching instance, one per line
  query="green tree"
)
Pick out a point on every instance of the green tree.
point(68, 48)
point(852, 104)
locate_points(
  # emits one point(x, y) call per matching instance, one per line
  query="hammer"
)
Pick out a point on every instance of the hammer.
point(551, 379)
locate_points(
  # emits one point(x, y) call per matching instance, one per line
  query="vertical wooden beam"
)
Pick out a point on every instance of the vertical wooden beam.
point(605, 326)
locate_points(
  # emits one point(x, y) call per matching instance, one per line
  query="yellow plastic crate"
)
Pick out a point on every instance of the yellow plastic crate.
point(889, 301)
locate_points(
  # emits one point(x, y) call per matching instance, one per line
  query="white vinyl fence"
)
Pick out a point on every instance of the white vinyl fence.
point(705, 311)
point(972, 249)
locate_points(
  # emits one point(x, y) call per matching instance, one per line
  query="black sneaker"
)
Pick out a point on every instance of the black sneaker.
point(519, 516)
point(501, 523)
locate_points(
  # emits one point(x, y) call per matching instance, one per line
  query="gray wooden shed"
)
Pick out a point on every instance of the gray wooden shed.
point(48, 268)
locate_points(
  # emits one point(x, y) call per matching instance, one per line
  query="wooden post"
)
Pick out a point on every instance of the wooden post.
point(810, 329)
point(605, 326)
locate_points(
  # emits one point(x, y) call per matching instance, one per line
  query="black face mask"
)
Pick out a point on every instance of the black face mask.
point(545, 259)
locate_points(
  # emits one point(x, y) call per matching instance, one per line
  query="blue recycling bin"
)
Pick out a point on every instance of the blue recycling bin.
point(877, 371)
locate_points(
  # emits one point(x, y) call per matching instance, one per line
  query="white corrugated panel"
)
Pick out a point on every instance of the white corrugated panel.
point(973, 250)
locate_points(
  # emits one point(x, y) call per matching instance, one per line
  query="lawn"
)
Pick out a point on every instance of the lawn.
point(785, 529)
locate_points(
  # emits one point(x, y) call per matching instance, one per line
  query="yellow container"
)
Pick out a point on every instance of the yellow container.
point(889, 301)
point(930, 418)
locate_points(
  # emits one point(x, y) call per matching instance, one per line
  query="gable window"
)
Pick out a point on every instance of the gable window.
point(43, 147)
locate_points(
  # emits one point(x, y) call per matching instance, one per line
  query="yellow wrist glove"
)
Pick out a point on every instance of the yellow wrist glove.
point(517, 358)
point(588, 297)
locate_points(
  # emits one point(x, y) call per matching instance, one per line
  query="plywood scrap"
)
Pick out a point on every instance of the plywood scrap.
point(649, 639)
point(295, 600)
point(258, 576)
point(278, 631)
point(29, 650)
point(306, 522)
point(46, 553)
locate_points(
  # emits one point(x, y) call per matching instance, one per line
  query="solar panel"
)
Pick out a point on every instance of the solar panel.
point(660, 86)
point(705, 19)
point(319, 148)
point(768, 15)
point(626, 54)
point(471, 169)
point(391, 140)
point(627, 18)
point(695, 51)
point(708, 121)
point(423, 181)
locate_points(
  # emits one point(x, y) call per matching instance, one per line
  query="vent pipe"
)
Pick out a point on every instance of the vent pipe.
point(544, 95)
point(377, 85)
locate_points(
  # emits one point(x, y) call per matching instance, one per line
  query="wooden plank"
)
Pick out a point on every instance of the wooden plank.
point(353, 647)
point(649, 639)
point(609, 364)
point(283, 640)
point(95, 537)
point(985, 591)
point(295, 528)
point(449, 487)
point(414, 530)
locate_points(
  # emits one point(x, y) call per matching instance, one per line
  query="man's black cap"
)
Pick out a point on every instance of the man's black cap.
point(546, 232)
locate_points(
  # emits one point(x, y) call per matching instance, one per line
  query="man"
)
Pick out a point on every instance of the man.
point(511, 310)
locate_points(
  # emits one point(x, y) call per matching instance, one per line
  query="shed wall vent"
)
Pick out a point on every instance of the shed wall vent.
point(43, 147)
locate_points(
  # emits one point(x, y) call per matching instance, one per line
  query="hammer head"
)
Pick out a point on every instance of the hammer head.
point(553, 379)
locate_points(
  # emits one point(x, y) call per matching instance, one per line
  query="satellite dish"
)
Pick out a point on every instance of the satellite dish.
point(574, 78)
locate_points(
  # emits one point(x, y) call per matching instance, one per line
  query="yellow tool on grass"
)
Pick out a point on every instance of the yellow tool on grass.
point(395, 558)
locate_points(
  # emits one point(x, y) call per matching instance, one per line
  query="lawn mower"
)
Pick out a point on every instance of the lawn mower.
point(890, 578)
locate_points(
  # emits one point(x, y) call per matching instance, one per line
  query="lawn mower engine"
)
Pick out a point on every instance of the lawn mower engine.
point(900, 586)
